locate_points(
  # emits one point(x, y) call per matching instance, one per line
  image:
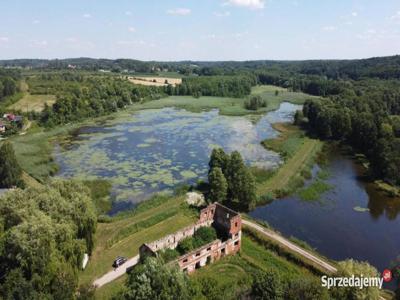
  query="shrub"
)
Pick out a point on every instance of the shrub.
point(254, 103)
point(205, 235)
point(168, 255)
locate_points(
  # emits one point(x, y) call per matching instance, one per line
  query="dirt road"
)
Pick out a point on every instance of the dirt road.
point(112, 275)
point(281, 240)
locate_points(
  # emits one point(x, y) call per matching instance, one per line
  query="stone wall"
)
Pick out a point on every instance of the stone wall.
point(217, 215)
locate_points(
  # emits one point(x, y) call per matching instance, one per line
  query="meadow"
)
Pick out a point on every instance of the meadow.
point(33, 102)
point(299, 152)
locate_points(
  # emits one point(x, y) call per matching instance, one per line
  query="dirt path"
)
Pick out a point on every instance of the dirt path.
point(281, 240)
point(114, 274)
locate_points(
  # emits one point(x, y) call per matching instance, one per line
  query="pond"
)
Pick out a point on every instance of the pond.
point(155, 150)
point(352, 220)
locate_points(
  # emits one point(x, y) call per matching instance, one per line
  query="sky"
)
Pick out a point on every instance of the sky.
point(171, 30)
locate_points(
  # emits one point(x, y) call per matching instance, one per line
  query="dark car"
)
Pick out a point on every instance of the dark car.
point(119, 261)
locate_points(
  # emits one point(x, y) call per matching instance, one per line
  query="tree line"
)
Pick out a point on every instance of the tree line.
point(367, 119)
point(92, 97)
point(235, 86)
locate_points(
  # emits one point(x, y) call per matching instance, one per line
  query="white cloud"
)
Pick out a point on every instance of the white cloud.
point(354, 14)
point(396, 16)
point(87, 16)
point(222, 14)
point(179, 11)
point(4, 39)
point(35, 22)
point(71, 40)
point(39, 43)
point(131, 29)
point(128, 13)
point(369, 34)
point(329, 28)
point(252, 4)
point(135, 43)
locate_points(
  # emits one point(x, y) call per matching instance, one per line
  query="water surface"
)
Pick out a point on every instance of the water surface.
point(155, 150)
point(333, 225)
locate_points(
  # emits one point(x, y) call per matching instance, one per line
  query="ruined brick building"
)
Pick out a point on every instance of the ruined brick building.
point(226, 221)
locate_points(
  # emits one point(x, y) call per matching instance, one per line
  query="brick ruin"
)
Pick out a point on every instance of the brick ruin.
point(226, 221)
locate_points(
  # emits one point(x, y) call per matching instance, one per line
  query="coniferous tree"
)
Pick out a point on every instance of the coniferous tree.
point(10, 171)
point(219, 159)
point(218, 185)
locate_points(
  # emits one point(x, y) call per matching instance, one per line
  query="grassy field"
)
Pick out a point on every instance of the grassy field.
point(128, 246)
point(33, 102)
point(299, 152)
point(34, 151)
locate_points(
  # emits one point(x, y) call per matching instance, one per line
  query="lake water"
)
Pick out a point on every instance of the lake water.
point(333, 226)
point(154, 150)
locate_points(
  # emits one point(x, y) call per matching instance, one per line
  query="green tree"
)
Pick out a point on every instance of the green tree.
point(45, 233)
point(351, 267)
point(219, 159)
point(204, 235)
point(218, 185)
point(241, 183)
point(185, 245)
point(267, 286)
point(306, 288)
point(155, 280)
point(298, 117)
point(10, 171)
point(255, 102)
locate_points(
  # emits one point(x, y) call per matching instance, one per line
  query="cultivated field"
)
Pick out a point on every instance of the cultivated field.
point(155, 81)
point(33, 102)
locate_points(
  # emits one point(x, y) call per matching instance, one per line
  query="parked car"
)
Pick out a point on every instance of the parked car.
point(119, 261)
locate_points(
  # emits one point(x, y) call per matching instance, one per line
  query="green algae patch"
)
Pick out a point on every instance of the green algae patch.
point(188, 174)
point(360, 209)
point(143, 145)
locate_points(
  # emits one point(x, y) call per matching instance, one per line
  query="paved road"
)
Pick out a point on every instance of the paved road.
point(281, 240)
point(112, 275)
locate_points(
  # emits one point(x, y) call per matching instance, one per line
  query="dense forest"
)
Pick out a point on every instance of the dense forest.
point(236, 86)
point(44, 234)
point(82, 96)
point(377, 67)
point(8, 83)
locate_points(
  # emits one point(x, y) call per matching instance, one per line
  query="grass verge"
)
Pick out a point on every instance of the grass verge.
point(301, 151)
